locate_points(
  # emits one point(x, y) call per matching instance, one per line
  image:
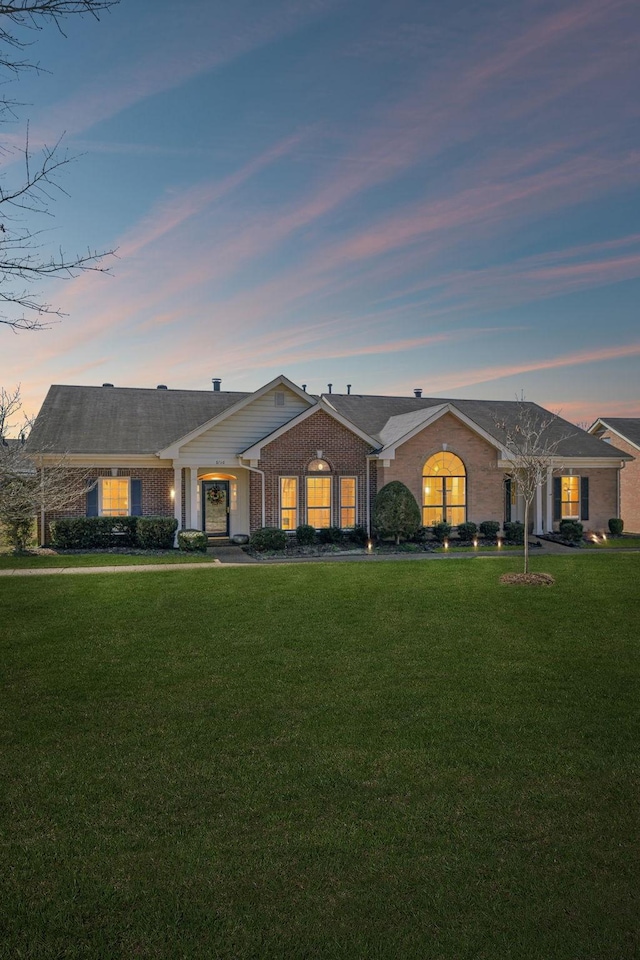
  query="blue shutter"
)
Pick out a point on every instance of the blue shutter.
point(136, 498)
point(92, 500)
point(584, 498)
point(557, 498)
point(507, 500)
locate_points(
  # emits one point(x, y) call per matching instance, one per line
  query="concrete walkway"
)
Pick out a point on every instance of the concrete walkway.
point(231, 556)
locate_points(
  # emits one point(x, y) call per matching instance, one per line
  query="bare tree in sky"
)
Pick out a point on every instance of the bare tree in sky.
point(27, 189)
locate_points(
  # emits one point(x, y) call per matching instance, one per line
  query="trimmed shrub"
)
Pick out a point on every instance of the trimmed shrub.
point(330, 535)
point(514, 531)
point(396, 513)
point(489, 529)
point(616, 526)
point(305, 535)
point(571, 530)
point(357, 535)
point(442, 531)
point(89, 533)
point(268, 538)
point(468, 530)
point(156, 533)
point(18, 533)
point(421, 535)
point(192, 541)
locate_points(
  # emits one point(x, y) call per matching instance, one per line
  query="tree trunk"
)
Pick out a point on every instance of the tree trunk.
point(526, 536)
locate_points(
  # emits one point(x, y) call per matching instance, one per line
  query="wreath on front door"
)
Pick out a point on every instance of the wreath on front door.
point(215, 495)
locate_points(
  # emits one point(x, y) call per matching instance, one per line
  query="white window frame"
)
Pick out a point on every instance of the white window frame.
point(572, 516)
point(318, 476)
point(281, 508)
point(101, 512)
point(355, 501)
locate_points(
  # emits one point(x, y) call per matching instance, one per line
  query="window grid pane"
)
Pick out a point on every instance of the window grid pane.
point(288, 503)
point(570, 498)
point(319, 502)
point(444, 490)
point(347, 502)
point(115, 498)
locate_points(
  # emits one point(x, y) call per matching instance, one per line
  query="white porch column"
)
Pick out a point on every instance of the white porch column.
point(548, 524)
point(177, 495)
point(538, 524)
point(193, 499)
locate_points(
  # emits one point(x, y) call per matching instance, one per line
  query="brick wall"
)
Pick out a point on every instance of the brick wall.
point(485, 492)
point(603, 497)
point(289, 456)
point(629, 484)
point(156, 492)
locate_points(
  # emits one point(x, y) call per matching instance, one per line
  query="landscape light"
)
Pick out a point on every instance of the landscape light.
point(475, 541)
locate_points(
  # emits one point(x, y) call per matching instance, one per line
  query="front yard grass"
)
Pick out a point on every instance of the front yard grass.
point(11, 561)
point(322, 761)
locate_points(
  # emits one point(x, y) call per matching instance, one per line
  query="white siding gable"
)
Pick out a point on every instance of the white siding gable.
point(222, 443)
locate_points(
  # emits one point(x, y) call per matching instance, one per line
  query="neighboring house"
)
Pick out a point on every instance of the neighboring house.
point(624, 432)
point(228, 462)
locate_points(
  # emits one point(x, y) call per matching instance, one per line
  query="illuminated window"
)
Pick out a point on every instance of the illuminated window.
point(347, 502)
point(319, 466)
point(115, 497)
point(288, 503)
point(570, 498)
point(444, 490)
point(319, 502)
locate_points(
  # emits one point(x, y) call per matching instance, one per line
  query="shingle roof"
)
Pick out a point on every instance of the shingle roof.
point(627, 427)
point(372, 414)
point(122, 420)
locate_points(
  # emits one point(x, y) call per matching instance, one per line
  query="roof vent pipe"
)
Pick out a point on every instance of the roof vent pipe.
point(216, 381)
point(161, 386)
point(348, 389)
point(417, 392)
point(304, 387)
point(330, 386)
point(107, 384)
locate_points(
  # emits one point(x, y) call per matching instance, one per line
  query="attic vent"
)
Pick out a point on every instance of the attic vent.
point(417, 392)
point(107, 384)
point(161, 386)
point(279, 398)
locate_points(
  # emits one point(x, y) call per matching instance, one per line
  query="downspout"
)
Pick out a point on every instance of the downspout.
point(42, 510)
point(262, 491)
point(618, 489)
point(368, 498)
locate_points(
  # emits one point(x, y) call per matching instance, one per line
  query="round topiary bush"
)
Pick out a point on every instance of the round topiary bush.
point(489, 529)
point(571, 530)
point(305, 535)
point(396, 513)
point(514, 531)
point(330, 535)
point(467, 531)
point(268, 538)
point(192, 541)
point(616, 526)
point(442, 531)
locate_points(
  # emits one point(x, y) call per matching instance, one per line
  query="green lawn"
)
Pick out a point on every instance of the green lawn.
point(9, 561)
point(617, 543)
point(389, 760)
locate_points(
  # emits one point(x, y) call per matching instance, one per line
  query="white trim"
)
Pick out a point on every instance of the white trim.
point(388, 452)
point(173, 449)
point(101, 481)
point(105, 460)
point(341, 477)
point(561, 463)
point(254, 452)
point(177, 498)
point(288, 476)
point(607, 426)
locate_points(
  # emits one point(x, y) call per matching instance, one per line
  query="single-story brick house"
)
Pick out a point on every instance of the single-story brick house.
point(624, 432)
point(230, 462)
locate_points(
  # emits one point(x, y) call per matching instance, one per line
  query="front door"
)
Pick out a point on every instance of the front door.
point(215, 507)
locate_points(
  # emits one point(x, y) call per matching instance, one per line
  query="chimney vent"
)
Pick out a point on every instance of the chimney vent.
point(417, 392)
point(330, 385)
point(161, 386)
point(348, 389)
point(216, 381)
point(107, 384)
point(304, 387)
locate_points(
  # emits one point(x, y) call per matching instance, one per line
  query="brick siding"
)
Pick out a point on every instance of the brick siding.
point(290, 455)
point(629, 483)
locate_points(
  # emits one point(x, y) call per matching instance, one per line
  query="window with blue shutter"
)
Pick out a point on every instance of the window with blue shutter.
point(507, 500)
point(136, 498)
point(92, 500)
point(584, 498)
point(557, 498)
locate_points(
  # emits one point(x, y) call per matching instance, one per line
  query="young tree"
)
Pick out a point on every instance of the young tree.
point(25, 200)
point(28, 487)
point(395, 512)
point(532, 439)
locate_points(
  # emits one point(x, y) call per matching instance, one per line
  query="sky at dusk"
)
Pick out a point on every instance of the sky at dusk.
point(391, 195)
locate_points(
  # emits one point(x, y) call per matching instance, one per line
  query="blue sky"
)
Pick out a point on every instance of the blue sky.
point(392, 195)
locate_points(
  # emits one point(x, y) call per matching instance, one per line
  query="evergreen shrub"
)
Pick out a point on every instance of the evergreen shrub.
point(616, 526)
point(156, 533)
point(268, 538)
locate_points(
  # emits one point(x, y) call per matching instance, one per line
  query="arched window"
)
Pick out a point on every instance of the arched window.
point(319, 466)
point(444, 490)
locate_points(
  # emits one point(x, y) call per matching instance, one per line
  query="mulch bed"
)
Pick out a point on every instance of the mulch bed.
point(531, 579)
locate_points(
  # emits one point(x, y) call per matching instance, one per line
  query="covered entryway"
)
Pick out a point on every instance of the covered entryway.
point(215, 507)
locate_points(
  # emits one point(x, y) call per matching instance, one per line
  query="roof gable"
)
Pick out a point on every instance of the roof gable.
point(627, 428)
point(253, 452)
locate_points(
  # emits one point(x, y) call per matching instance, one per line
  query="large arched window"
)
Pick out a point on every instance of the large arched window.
point(444, 490)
